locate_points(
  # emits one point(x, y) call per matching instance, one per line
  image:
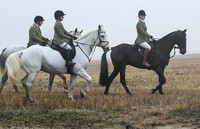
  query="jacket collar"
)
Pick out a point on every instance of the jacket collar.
point(36, 25)
point(142, 20)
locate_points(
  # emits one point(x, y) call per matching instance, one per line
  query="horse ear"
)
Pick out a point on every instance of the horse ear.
point(81, 31)
point(76, 30)
point(99, 27)
point(185, 30)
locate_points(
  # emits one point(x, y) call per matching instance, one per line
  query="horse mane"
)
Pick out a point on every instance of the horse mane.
point(86, 35)
point(166, 36)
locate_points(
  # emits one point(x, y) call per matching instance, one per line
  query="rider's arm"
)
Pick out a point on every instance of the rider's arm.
point(44, 38)
point(32, 33)
point(59, 30)
point(68, 34)
point(142, 31)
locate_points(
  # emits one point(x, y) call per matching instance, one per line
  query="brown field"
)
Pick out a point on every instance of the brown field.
point(179, 107)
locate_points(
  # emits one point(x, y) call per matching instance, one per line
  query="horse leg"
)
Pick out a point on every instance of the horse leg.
point(51, 78)
point(123, 80)
point(27, 82)
point(162, 80)
point(110, 79)
point(72, 82)
point(4, 79)
point(65, 83)
point(82, 73)
point(16, 89)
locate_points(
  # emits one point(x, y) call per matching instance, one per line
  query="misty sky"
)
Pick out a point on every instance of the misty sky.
point(119, 18)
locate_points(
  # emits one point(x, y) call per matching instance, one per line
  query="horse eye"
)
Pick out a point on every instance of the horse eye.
point(102, 36)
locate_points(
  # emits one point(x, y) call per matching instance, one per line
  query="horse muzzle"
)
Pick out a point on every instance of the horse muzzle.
point(183, 50)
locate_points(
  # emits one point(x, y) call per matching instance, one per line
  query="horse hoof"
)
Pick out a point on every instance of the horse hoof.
point(71, 98)
point(154, 91)
point(161, 93)
point(82, 94)
point(130, 94)
point(66, 91)
point(105, 93)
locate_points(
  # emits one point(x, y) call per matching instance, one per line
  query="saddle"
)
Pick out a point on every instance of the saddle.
point(153, 55)
point(63, 51)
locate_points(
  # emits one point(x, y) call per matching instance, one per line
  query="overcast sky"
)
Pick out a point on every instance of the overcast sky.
point(119, 18)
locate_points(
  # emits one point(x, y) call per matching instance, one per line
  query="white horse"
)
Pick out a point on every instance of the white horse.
point(9, 50)
point(37, 58)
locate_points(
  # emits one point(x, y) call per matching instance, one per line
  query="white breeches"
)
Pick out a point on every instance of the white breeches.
point(65, 46)
point(145, 45)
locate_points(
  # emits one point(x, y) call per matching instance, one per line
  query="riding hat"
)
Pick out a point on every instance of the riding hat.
point(141, 13)
point(58, 14)
point(38, 18)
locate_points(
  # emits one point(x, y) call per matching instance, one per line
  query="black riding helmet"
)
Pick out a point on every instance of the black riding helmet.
point(58, 14)
point(141, 13)
point(38, 19)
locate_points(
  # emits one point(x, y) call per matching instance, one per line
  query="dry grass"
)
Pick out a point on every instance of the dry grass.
point(179, 105)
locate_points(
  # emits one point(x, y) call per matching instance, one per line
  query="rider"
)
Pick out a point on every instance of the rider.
point(143, 37)
point(35, 36)
point(62, 37)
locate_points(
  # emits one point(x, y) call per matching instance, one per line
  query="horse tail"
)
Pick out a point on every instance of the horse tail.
point(104, 70)
point(2, 63)
point(13, 65)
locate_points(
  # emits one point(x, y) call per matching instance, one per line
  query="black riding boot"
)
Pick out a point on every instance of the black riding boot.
point(69, 63)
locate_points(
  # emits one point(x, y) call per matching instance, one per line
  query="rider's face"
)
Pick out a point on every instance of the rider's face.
point(142, 17)
point(40, 23)
point(61, 18)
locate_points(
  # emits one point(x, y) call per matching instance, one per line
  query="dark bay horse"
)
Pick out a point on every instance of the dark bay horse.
point(126, 54)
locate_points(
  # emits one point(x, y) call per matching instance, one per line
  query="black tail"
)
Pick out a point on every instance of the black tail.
point(104, 70)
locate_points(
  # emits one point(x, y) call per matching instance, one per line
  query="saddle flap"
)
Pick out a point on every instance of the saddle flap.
point(63, 52)
point(154, 53)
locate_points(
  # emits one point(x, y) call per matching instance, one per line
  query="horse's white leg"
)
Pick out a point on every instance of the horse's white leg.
point(72, 82)
point(82, 73)
point(27, 82)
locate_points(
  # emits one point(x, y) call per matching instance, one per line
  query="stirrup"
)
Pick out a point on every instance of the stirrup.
point(70, 64)
point(146, 64)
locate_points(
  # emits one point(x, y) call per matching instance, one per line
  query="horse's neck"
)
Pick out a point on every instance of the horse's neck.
point(166, 45)
point(90, 41)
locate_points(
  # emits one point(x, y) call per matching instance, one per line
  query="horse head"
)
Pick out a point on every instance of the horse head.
point(102, 37)
point(181, 41)
point(76, 32)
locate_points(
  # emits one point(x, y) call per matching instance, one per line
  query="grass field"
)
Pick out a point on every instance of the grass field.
point(179, 107)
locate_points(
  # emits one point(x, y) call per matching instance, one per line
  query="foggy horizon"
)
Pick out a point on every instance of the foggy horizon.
point(119, 19)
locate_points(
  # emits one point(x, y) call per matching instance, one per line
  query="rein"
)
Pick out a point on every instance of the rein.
point(175, 47)
point(93, 50)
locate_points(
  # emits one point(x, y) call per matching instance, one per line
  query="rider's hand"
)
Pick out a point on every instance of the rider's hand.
point(74, 37)
point(43, 43)
point(46, 40)
point(151, 37)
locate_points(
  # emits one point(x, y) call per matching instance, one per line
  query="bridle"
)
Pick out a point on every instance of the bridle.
point(92, 47)
point(175, 47)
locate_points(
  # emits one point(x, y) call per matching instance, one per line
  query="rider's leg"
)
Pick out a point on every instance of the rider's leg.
point(68, 48)
point(148, 49)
